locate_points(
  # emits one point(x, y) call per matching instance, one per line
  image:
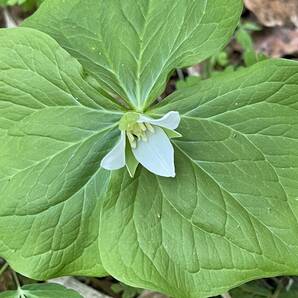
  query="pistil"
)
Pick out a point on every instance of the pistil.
point(134, 130)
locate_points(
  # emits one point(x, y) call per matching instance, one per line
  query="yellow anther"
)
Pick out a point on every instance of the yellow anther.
point(131, 140)
point(149, 127)
point(130, 137)
point(133, 144)
point(142, 126)
point(144, 137)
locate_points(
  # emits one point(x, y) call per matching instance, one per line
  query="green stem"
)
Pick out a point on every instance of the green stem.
point(3, 269)
point(226, 295)
point(16, 279)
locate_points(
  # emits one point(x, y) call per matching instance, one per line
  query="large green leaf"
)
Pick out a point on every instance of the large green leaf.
point(131, 46)
point(54, 130)
point(41, 291)
point(231, 213)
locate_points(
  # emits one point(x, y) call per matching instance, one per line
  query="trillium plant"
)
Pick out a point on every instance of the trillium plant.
point(190, 195)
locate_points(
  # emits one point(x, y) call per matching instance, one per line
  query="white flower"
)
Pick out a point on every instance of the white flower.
point(148, 144)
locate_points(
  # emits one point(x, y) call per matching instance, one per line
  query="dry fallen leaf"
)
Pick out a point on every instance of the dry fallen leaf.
point(274, 12)
point(277, 42)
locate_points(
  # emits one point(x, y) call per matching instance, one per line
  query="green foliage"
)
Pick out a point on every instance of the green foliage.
point(258, 289)
point(133, 58)
point(55, 165)
point(26, 5)
point(221, 63)
point(188, 82)
point(243, 37)
point(41, 291)
point(252, 290)
point(126, 291)
point(221, 60)
point(292, 292)
point(229, 143)
point(229, 216)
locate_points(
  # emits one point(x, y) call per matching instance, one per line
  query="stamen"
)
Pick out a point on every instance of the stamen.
point(135, 131)
point(144, 137)
point(131, 140)
point(149, 127)
point(133, 144)
point(130, 137)
point(142, 126)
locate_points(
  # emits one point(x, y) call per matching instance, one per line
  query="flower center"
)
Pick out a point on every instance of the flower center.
point(135, 129)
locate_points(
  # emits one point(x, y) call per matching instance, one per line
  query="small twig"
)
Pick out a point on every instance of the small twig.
point(3, 269)
point(10, 22)
point(290, 283)
point(226, 295)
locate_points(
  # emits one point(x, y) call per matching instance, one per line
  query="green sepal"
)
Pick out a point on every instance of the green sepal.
point(131, 162)
point(172, 134)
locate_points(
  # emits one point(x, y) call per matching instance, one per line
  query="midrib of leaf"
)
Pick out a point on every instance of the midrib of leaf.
point(83, 187)
point(174, 51)
point(146, 78)
point(224, 288)
point(86, 58)
point(144, 46)
point(68, 91)
point(243, 89)
point(111, 69)
point(240, 107)
point(37, 110)
point(161, 68)
point(141, 53)
point(148, 283)
point(60, 152)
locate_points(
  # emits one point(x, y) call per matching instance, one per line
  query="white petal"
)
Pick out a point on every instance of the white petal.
point(170, 120)
point(157, 154)
point(115, 159)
